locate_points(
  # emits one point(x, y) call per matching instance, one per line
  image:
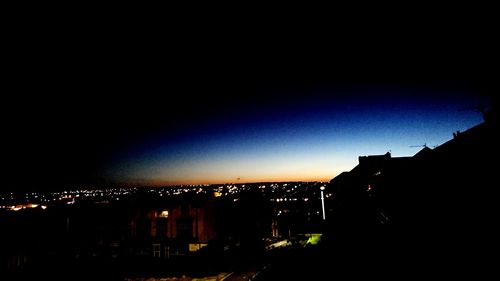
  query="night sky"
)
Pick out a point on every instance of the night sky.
point(311, 135)
point(87, 114)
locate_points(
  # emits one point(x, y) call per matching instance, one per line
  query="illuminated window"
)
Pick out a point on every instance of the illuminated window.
point(164, 214)
point(156, 250)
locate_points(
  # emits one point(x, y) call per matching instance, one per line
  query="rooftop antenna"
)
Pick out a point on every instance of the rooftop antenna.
point(423, 145)
point(419, 145)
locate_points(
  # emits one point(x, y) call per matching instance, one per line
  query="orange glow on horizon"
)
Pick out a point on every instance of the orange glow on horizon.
point(228, 180)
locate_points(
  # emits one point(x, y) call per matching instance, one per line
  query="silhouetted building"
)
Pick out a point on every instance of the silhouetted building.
point(441, 202)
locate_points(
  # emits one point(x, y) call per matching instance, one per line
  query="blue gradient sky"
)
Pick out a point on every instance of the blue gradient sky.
point(87, 109)
point(308, 134)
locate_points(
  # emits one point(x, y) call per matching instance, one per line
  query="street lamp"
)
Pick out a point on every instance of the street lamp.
point(323, 201)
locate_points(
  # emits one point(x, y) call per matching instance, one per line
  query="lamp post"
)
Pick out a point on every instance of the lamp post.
point(323, 201)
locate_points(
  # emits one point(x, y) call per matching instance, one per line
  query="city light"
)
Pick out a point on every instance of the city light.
point(284, 193)
point(323, 202)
